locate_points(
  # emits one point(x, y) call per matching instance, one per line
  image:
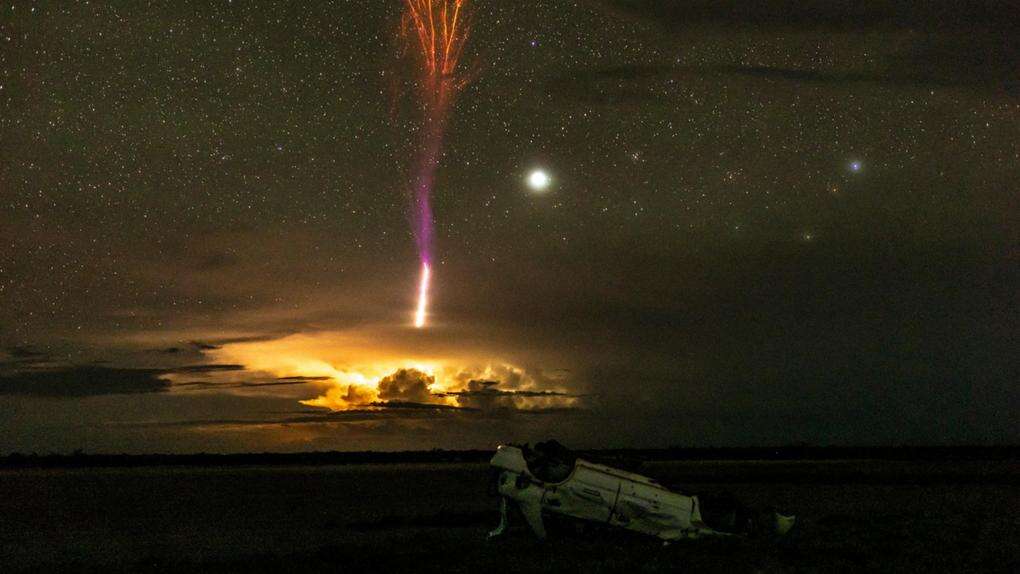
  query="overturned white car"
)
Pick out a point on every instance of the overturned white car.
point(549, 479)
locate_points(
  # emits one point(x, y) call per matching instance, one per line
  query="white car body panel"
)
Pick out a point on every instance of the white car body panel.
point(597, 493)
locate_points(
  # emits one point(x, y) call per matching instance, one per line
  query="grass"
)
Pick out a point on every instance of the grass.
point(434, 517)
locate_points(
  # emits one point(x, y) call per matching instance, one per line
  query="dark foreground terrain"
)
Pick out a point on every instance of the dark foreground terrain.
point(854, 516)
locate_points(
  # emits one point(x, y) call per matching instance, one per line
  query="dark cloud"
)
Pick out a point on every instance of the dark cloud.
point(977, 60)
point(198, 385)
point(204, 385)
point(198, 347)
point(491, 392)
point(222, 341)
point(21, 357)
point(94, 379)
point(938, 44)
point(83, 381)
point(377, 411)
point(486, 409)
point(406, 385)
point(204, 346)
point(25, 353)
point(197, 423)
point(986, 64)
point(203, 369)
point(373, 412)
point(816, 15)
point(789, 332)
point(483, 395)
point(402, 405)
point(499, 393)
point(554, 411)
point(273, 384)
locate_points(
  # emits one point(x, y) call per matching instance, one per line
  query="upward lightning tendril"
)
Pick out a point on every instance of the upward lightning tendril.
point(435, 31)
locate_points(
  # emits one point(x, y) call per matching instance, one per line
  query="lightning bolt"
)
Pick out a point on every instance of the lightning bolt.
point(423, 296)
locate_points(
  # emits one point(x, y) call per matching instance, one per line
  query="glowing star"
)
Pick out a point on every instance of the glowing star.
point(538, 180)
point(855, 166)
point(423, 296)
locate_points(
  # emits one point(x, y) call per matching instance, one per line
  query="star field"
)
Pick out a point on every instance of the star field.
point(737, 205)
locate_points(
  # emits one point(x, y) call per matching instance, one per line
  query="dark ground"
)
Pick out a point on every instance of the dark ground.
point(961, 516)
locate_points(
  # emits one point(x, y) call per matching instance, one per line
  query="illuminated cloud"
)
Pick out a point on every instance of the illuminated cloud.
point(343, 398)
point(409, 385)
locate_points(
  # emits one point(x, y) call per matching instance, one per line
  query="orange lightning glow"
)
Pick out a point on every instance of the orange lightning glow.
point(423, 296)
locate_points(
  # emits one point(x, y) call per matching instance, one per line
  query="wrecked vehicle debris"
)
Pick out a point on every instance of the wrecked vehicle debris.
point(551, 480)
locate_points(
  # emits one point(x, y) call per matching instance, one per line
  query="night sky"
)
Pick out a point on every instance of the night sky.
point(765, 223)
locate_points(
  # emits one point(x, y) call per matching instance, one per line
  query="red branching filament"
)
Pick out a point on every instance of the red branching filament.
point(439, 30)
point(436, 32)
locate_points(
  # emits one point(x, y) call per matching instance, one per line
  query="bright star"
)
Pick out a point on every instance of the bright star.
point(538, 180)
point(855, 166)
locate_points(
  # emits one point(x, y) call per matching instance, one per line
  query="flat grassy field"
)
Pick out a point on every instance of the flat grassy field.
point(853, 516)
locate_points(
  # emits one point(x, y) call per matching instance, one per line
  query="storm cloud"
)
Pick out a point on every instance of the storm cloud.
point(28, 379)
point(84, 381)
point(407, 385)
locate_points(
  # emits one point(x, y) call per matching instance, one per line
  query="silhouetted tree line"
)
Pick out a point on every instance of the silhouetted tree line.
point(624, 458)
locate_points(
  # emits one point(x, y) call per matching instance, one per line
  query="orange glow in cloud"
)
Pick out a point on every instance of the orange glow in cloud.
point(353, 363)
